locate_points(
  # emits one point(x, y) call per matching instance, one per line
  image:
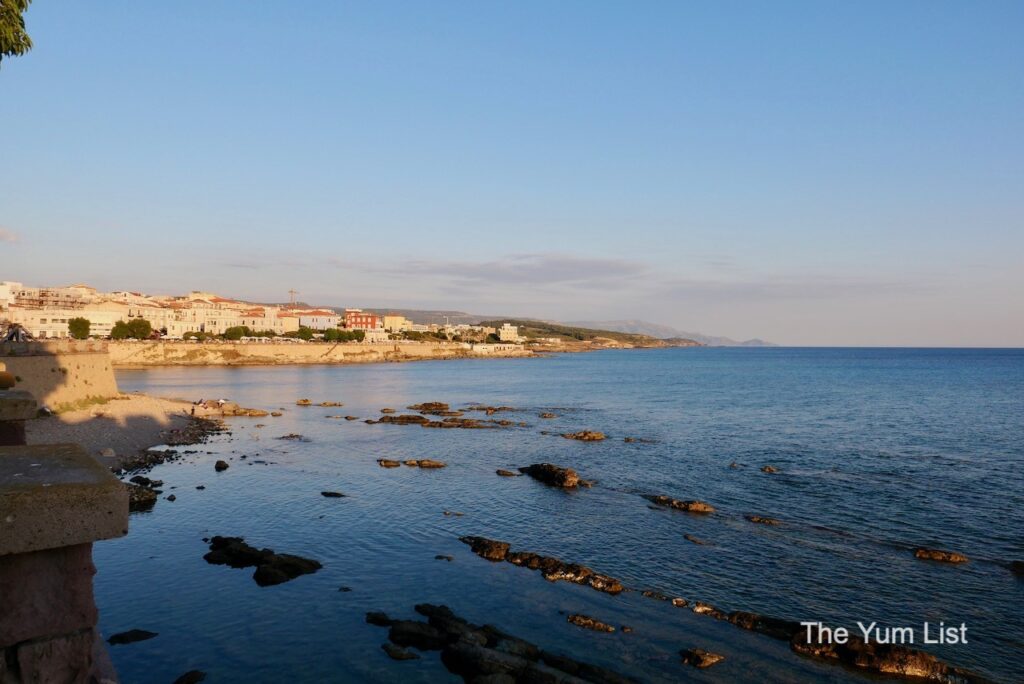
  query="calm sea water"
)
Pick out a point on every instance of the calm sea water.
point(879, 451)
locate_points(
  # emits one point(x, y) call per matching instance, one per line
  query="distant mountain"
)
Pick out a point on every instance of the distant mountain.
point(666, 332)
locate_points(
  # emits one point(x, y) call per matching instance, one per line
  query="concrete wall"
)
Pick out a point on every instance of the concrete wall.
point(61, 374)
point(141, 354)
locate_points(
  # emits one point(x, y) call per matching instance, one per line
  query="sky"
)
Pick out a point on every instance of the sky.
point(810, 173)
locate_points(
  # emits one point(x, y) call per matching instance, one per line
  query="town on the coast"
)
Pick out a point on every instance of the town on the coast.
point(80, 312)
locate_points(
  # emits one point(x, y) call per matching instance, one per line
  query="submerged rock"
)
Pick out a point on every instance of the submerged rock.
point(939, 555)
point(587, 622)
point(398, 653)
point(332, 495)
point(548, 415)
point(271, 568)
point(552, 569)
point(191, 677)
point(331, 404)
point(585, 436)
point(695, 540)
point(700, 658)
point(553, 475)
point(688, 506)
point(130, 637)
point(761, 520)
point(769, 469)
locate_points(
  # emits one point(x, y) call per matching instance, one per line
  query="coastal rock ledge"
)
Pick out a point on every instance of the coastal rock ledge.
point(552, 569)
point(688, 506)
point(271, 568)
point(940, 555)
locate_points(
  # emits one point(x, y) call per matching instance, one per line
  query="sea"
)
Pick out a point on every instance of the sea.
point(877, 452)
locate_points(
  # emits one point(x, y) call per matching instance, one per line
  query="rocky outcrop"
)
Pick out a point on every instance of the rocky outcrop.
point(304, 402)
point(271, 568)
point(885, 659)
point(552, 569)
point(553, 475)
point(776, 628)
point(429, 406)
point(506, 473)
point(140, 498)
point(585, 436)
point(688, 506)
point(939, 555)
point(701, 608)
point(331, 404)
point(490, 410)
point(699, 658)
point(485, 654)
point(425, 463)
point(769, 469)
point(388, 463)
point(587, 622)
point(404, 419)
point(695, 540)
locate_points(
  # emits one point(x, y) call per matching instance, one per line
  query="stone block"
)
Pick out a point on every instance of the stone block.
point(57, 495)
point(45, 593)
point(16, 405)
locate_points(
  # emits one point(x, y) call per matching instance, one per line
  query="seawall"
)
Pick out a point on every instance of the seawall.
point(163, 353)
point(61, 374)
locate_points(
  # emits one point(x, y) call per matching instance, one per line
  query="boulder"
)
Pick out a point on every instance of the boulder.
point(387, 463)
point(487, 548)
point(140, 498)
point(699, 658)
point(553, 475)
point(939, 555)
point(220, 466)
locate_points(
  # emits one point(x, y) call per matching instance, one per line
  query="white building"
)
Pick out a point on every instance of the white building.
point(318, 319)
point(508, 333)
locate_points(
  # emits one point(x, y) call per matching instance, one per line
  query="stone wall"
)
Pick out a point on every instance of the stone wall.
point(61, 374)
point(142, 354)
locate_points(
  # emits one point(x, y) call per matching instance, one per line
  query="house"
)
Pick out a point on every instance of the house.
point(357, 319)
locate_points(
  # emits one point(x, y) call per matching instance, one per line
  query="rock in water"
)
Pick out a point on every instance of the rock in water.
point(769, 469)
point(271, 568)
point(220, 466)
point(506, 473)
point(587, 622)
point(398, 653)
point(487, 548)
point(191, 677)
point(761, 520)
point(887, 659)
point(688, 506)
point(387, 463)
point(332, 495)
point(939, 555)
point(700, 658)
point(140, 498)
point(130, 637)
point(585, 436)
point(553, 475)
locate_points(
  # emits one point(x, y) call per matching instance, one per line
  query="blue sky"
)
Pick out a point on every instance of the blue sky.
point(806, 172)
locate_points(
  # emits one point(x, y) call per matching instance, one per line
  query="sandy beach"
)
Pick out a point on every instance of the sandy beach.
point(126, 425)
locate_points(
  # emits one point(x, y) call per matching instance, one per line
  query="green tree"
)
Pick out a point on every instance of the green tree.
point(140, 328)
point(78, 328)
point(304, 333)
point(237, 332)
point(120, 331)
point(14, 39)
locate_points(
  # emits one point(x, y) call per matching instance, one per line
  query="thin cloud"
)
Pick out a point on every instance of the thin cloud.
point(8, 235)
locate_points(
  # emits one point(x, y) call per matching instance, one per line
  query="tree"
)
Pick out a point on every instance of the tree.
point(14, 39)
point(78, 328)
point(120, 331)
point(237, 332)
point(140, 328)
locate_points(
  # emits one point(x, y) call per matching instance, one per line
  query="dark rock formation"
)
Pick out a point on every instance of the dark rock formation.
point(506, 473)
point(551, 568)
point(351, 417)
point(769, 469)
point(271, 568)
point(490, 410)
point(429, 406)
point(387, 463)
point(191, 677)
point(547, 415)
point(690, 538)
point(886, 659)
point(688, 506)
point(1017, 568)
point(487, 655)
point(700, 658)
point(331, 404)
point(220, 466)
point(276, 414)
point(379, 619)
point(939, 555)
point(553, 475)
point(774, 627)
point(587, 622)
point(294, 437)
point(701, 608)
point(140, 498)
point(387, 410)
point(130, 637)
point(585, 436)
point(332, 495)
point(444, 558)
point(425, 463)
